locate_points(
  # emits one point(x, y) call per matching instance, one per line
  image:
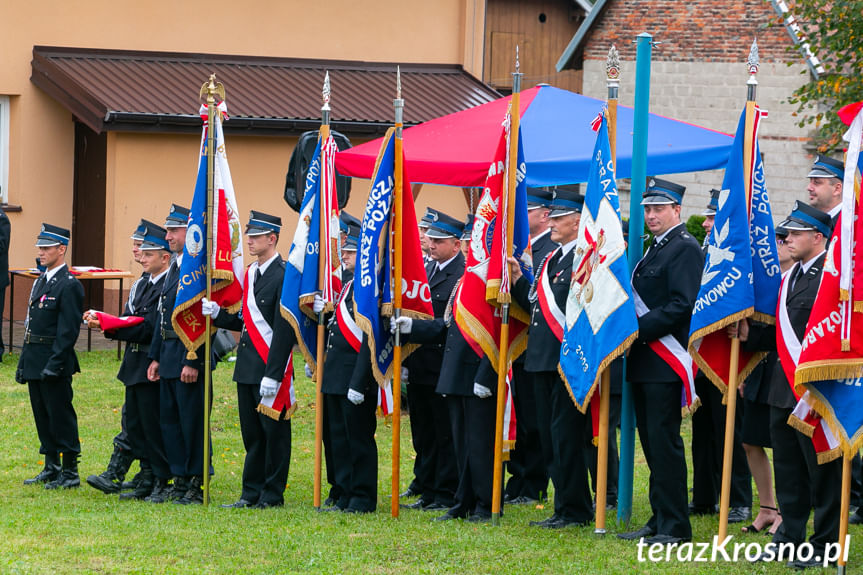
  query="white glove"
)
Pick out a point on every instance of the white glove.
point(318, 305)
point(355, 397)
point(210, 308)
point(402, 324)
point(405, 375)
point(309, 372)
point(269, 387)
point(481, 391)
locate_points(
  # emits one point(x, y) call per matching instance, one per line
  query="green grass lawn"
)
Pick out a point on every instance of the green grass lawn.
point(84, 531)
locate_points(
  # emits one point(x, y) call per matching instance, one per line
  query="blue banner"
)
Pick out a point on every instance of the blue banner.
point(301, 267)
point(766, 275)
point(600, 313)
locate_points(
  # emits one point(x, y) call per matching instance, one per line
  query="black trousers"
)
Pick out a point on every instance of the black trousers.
point(569, 470)
point(435, 467)
point(542, 399)
point(658, 417)
point(526, 463)
point(56, 421)
point(181, 417)
point(3, 307)
point(802, 484)
point(613, 458)
point(122, 440)
point(268, 449)
point(354, 451)
point(144, 433)
point(708, 445)
point(473, 428)
point(335, 493)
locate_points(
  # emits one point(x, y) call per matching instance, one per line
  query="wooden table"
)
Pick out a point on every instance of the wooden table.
point(82, 276)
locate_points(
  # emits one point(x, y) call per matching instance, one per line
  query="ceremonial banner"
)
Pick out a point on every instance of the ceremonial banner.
point(385, 400)
point(226, 261)
point(601, 322)
point(486, 279)
point(741, 271)
point(108, 322)
point(309, 250)
point(373, 291)
point(831, 358)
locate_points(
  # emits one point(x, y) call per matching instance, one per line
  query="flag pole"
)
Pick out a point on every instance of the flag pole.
point(733, 363)
point(398, 105)
point(636, 229)
point(843, 513)
point(612, 73)
point(211, 88)
point(502, 364)
point(319, 352)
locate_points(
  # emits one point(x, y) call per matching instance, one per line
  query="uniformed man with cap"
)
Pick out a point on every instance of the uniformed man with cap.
point(547, 302)
point(825, 186)
point(142, 395)
point(350, 398)
point(111, 480)
point(532, 457)
point(666, 280)
point(708, 435)
point(181, 390)
point(435, 467)
point(266, 430)
point(48, 359)
point(802, 484)
point(346, 221)
point(465, 235)
point(423, 225)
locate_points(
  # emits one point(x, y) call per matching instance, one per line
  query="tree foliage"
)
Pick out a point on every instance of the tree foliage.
point(834, 31)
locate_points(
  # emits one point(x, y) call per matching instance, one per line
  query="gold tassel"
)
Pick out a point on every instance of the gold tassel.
point(846, 345)
point(843, 295)
point(858, 306)
point(191, 355)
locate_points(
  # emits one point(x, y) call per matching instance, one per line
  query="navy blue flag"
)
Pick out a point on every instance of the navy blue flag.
point(601, 322)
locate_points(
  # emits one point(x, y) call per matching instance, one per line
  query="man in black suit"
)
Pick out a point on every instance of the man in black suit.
point(5, 234)
point(435, 467)
point(265, 425)
point(531, 460)
point(48, 360)
point(666, 280)
point(350, 398)
point(547, 301)
point(181, 390)
point(708, 436)
point(142, 395)
point(801, 483)
point(825, 186)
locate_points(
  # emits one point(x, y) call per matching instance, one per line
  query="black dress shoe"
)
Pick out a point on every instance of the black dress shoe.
point(703, 509)
point(544, 522)
point(409, 493)
point(329, 509)
point(855, 518)
point(663, 539)
point(447, 517)
point(418, 504)
point(238, 504)
point(522, 500)
point(739, 514)
point(562, 523)
point(268, 504)
point(435, 506)
point(479, 518)
point(636, 535)
point(355, 510)
point(800, 565)
point(329, 502)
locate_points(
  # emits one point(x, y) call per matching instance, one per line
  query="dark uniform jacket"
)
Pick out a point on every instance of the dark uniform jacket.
point(249, 368)
point(5, 234)
point(143, 302)
point(667, 278)
point(762, 337)
point(424, 363)
point(55, 311)
point(543, 347)
point(540, 248)
point(345, 368)
point(166, 347)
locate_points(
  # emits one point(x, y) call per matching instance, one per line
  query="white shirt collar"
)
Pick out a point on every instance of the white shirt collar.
point(263, 267)
point(441, 266)
point(154, 279)
point(835, 210)
point(564, 249)
point(179, 259)
point(52, 272)
point(661, 237)
point(540, 234)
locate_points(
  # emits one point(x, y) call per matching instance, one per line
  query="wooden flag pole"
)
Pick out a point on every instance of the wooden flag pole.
point(612, 70)
point(210, 89)
point(319, 352)
point(733, 363)
point(397, 219)
point(843, 513)
point(503, 351)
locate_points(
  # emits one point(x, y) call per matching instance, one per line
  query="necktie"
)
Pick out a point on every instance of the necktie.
point(554, 259)
point(258, 275)
point(434, 271)
point(798, 273)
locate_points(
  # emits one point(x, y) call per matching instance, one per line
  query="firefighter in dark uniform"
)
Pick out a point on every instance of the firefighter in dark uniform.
point(350, 398)
point(547, 302)
point(181, 391)
point(802, 484)
point(111, 480)
point(531, 459)
point(667, 279)
point(435, 467)
point(826, 179)
point(142, 395)
point(266, 432)
point(48, 360)
point(708, 436)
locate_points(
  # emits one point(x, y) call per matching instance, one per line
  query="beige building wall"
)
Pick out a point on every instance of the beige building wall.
point(146, 172)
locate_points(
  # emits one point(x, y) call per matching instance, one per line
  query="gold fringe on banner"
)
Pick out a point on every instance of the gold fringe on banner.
point(801, 426)
point(849, 446)
point(274, 414)
point(827, 369)
point(486, 341)
point(308, 356)
point(615, 353)
point(366, 326)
